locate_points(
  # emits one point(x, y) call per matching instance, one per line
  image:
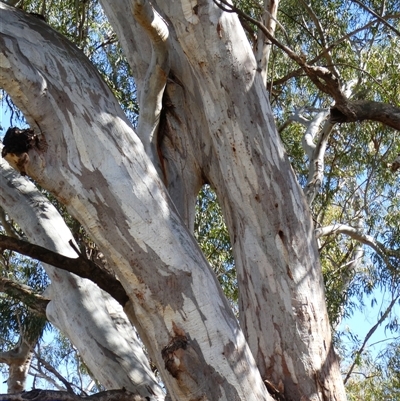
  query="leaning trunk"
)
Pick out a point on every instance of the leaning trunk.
point(217, 123)
point(225, 120)
point(95, 324)
point(90, 158)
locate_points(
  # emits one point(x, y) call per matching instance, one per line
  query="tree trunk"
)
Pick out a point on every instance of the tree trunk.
point(239, 152)
point(18, 361)
point(91, 159)
point(95, 323)
point(219, 115)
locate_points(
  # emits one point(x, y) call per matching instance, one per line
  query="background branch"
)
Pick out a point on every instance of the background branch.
point(35, 302)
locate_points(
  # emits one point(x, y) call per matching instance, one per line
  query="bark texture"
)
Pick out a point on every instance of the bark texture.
point(18, 360)
point(49, 395)
point(115, 192)
point(217, 127)
point(94, 323)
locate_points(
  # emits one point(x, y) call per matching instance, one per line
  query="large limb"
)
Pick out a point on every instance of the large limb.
point(19, 360)
point(264, 45)
point(51, 395)
point(95, 164)
point(282, 304)
point(155, 80)
point(78, 307)
point(177, 157)
point(316, 152)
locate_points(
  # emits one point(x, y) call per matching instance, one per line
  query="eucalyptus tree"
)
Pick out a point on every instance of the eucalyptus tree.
point(100, 326)
point(204, 96)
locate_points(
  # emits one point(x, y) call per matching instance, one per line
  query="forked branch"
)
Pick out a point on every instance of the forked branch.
point(156, 77)
point(344, 109)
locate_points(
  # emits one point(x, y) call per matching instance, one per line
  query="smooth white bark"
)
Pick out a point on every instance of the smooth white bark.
point(264, 46)
point(316, 152)
point(281, 289)
point(97, 167)
point(78, 308)
point(155, 80)
point(225, 136)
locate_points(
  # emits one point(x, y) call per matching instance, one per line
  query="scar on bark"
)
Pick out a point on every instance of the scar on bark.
point(173, 353)
point(17, 143)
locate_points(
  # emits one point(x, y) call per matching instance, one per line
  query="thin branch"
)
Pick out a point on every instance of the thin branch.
point(376, 16)
point(369, 334)
point(317, 24)
point(333, 44)
point(54, 371)
point(107, 42)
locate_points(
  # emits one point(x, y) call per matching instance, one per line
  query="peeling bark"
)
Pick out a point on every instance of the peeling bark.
point(114, 191)
point(226, 137)
point(275, 253)
point(93, 322)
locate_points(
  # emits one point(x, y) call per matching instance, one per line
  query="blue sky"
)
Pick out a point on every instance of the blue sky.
point(363, 320)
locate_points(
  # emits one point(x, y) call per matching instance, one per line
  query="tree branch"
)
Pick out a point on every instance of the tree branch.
point(80, 266)
point(51, 395)
point(19, 359)
point(155, 80)
point(344, 109)
point(353, 233)
point(316, 170)
point(263, 48)
point(368, 336)
point(297, 72)
point(377, 16)
point(317, 23)
point(35, 302)
point(54, 371)
point(367, 110)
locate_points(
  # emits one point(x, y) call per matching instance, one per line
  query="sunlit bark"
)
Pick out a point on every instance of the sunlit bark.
point(95, 165)
point(77, 306)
